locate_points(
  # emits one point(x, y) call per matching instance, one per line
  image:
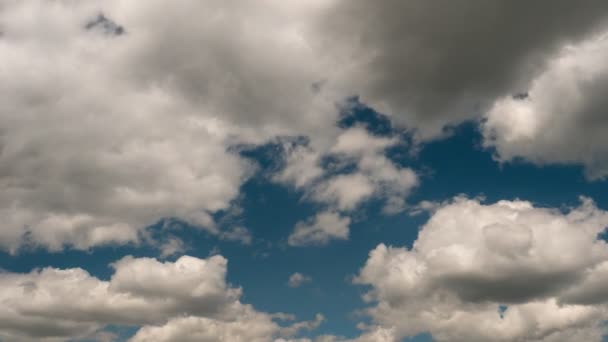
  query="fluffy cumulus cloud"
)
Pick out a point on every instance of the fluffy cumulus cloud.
point(174, 301)
point(369, 174)
point(116, 114)
point(372, 174)
point(534, 72)
point(506, 271)
point(562, 118)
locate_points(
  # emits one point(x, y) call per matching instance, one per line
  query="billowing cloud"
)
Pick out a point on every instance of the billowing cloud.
point(507, 271)
point(190, 295)
point(116, 114)
point(562, 119)
point(249, 326)
point(430, 65)
point(376, 334)
point(372, 175)
point(321, 229)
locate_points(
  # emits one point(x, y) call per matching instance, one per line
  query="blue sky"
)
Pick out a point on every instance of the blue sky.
point(322, 171)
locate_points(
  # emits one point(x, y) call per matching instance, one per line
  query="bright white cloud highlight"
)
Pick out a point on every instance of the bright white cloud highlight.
point(105, 132)
point(507, 271)
point(563, 120)
point(374, 176)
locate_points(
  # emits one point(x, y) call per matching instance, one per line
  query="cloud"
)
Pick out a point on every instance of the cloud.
point(172, 246)
point(563, 118)
point(430, 65)
point(249, 326)
point(372, 176)
point(190, 295)
point(298, 279)
point(506, 271)
point(325, 226)
point(117, 114)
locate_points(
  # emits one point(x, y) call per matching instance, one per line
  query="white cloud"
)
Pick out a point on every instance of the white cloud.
point(325, 226)
point(105, 133)
point(249, 326)
point(190, 295)
point(172, 246)
point(507, 271)
point(377, 334)
point(345, 192)
point(563, 119)
point(301, 167)
point(298, 279)
point(429, 66)
point(374, 176)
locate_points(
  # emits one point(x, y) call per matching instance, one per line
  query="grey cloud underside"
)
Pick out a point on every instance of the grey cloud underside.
point(435, 63)
point(106, 25)
point(563, 120)
point(520, 288)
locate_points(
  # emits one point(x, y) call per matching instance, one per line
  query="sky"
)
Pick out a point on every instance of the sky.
point(303, 171)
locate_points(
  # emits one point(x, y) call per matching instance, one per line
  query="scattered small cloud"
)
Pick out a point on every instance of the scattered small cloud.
point(172, 246)
point(298, 279)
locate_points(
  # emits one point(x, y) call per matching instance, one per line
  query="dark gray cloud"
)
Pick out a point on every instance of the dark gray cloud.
point(470, 259)
point(508, 288)
point(432, 63)
point(106, 25)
